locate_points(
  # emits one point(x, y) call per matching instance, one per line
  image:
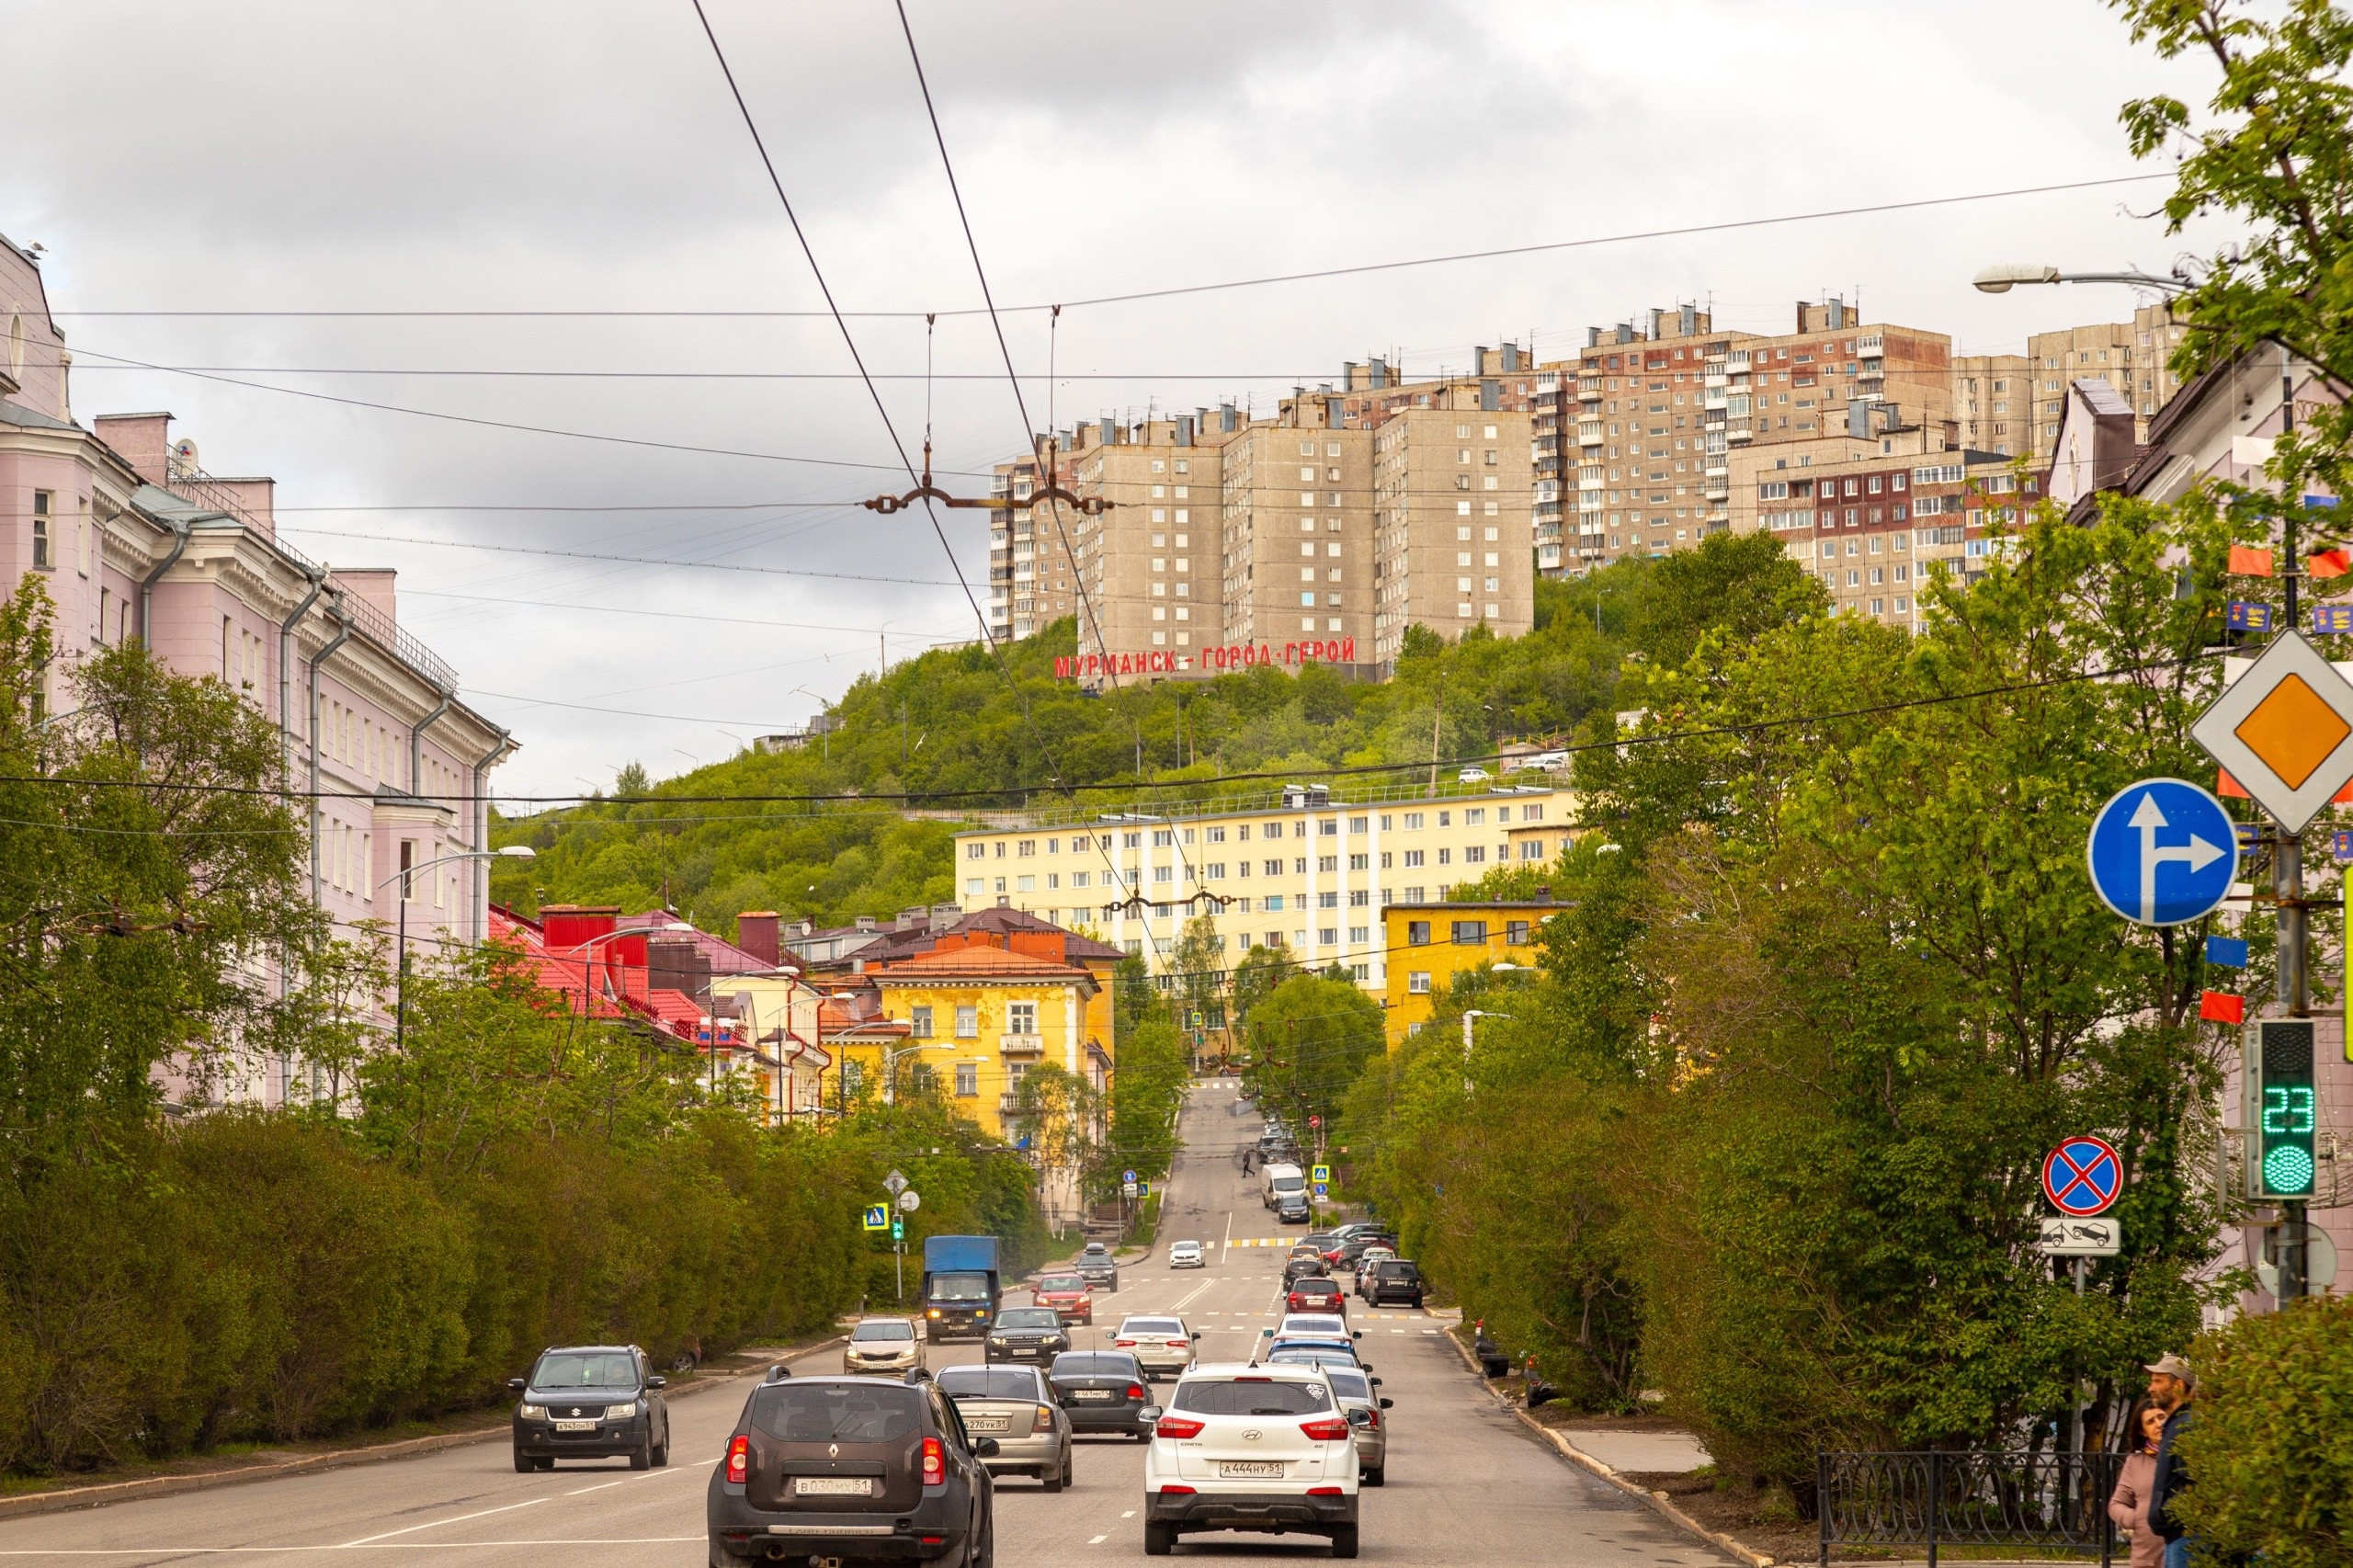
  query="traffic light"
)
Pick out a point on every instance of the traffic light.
point(898, 1229)
point(2281, 1108)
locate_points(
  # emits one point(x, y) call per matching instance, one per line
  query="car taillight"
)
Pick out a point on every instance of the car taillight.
point(1135, 1391)
point(1335, 1430)
point(1125, 1344)
point(1045, 1415)
point(1173, 1490)
point(935, 1463)
point(739, 1459)
point(1323, 1492)
point(1175, 1427)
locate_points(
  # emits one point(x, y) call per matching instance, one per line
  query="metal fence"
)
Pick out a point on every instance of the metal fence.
point(1967, 1497)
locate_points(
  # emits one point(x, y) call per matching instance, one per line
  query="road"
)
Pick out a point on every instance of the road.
point(1466, 1483)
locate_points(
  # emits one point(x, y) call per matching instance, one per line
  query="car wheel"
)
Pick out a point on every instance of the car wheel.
point(1377, 1476)
point(1057, 1479)
point(985, 1556)
point(641, 1457)
point(1158, 1539)
point(662, 1454)
point(524, 1462)
point(1343, 1542)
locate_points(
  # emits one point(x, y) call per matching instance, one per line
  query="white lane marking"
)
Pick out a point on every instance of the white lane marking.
point(386, 1545)
point(1099, 1540)
point(435, 1523)
point(1129, 1515)
point(598, 1487)
point(1229, 1230)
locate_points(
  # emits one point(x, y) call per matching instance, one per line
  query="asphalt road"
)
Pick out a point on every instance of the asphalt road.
point(1466, 1483)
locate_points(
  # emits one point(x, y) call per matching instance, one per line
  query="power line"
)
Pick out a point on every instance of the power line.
point(1626, 237)
point(631, 559)
point(1293, 377)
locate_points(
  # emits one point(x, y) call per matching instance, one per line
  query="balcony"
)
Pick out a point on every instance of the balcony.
point(1022, 1045)
point(1590, 389)
point(1589, 434)
point(1872, 346)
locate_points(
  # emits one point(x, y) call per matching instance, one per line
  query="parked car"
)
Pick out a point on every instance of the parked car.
point(1355, 1392)
point(1370, 1257)
point(1344, 1256)
point(1103, 1391)
point(1303, 1260)
point(883, 1345)
point(1262, 1449)
point(1291, 1210)
point(1187, 1255)
point(585, 1402)
point(1026, 1334)
point(1163, 1345)
point(1390, 1279)
point(1017, 1406)
point(851, 1466)
point(1096, 1265)
point(1070, 1295)
point(1471, 776)
point(1314, 1293)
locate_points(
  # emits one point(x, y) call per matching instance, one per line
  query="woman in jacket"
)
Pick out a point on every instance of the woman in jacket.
point(2129, 1507)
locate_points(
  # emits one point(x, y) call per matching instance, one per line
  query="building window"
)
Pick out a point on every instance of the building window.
point(1417, 932)
point(1413, 859)
point(1515, 933)
point(977, 851)
point(968, 1023)
point(1470, 933)
point(1021, 1018)
point(968, 1079)
point(41, 501)
point(1417, 983)
point(919, 1022)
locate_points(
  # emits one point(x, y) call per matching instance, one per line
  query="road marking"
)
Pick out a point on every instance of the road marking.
point(1129, 1515)
point(1099, 1540)
point(599, 1487)
point(462, 1518)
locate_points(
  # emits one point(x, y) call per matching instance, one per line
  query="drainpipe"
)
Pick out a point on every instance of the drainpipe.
point(416, 747)
point(286, 672)
point(480, 812)
point(147, 585)
point(343, 634)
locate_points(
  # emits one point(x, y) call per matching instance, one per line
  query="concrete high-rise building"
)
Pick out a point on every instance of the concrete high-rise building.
point(1296, 551)
point(2132, 357)
point(1993, 399)
point(1149, 564)
point(1454, 544)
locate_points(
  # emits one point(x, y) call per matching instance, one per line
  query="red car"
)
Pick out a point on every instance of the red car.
point(1069, 1294)
point(1317, 1295)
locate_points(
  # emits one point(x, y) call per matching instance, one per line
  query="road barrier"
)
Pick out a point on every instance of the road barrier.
point(1967, 1497)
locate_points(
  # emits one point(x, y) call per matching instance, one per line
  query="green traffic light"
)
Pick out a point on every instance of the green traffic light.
point(2283, 1064)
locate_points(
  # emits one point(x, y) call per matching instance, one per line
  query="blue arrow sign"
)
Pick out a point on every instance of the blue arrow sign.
point(2162, 852)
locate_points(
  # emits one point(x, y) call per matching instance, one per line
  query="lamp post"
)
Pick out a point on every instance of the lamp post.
point(2001, 279)
point(891, 1065)
point(399, 995)
point(1468, 1016)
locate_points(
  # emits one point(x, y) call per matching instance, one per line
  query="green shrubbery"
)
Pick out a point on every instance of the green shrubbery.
point(2274, 1475)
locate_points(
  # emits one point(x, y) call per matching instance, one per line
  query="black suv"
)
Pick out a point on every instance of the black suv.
point(1097, 1267)
point(585, 1402)
point(852, 1468)
point(1391, 1279)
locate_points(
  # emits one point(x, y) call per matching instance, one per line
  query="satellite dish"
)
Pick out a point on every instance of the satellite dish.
point(184, 452)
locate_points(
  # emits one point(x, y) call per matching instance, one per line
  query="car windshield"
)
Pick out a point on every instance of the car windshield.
point(1061, 1283)
point(1028, 1317)
point(857, 1412)
point(1096, 1364)
point(1315, 1285)
point(960, 1287)
point(988, 1383)
point(1312, 1356)
point(1186, 1246)
point(1250, 1396)
point(1349, 1383)
point(586, 1369)
point(883, 1328)
point(1152, 1325)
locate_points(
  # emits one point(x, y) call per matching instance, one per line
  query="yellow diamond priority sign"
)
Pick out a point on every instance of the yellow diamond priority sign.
point(2284, 730)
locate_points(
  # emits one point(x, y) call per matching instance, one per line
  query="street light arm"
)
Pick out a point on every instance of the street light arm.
point(2002, 278)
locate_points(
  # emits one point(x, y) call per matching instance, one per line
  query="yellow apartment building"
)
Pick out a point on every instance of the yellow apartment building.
point(979, 1018)
point(1306, 872)
point(1430, 944)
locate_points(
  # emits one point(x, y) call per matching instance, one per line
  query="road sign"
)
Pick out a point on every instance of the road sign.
point(2083, 1176)
point(895, 1184)
point(1319, 1174)
point(1128, 1177)
point(2282, 729)
point(2320, 1259)
point(909, 1202)
point(1126, 1189)
point(1143, 1189)
point(1322, 1191)
point(1314, 1121)
point(2082, 1238)
point(878, 1216)
point(2162, 851)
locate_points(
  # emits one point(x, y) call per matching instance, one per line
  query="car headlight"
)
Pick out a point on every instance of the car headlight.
point(996, 1339)
point(620, 1412)
point(532, 1411)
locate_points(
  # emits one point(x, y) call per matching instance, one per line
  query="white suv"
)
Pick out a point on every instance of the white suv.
point(1251, 1448)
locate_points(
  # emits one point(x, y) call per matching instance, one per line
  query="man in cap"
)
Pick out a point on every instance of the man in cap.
point(2171, 1387)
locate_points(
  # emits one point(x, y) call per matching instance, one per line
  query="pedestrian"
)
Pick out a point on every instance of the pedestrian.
point(2129, 1506)
point(2171, 1387)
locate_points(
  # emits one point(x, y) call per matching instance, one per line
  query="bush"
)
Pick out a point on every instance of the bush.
point(2274, 1476)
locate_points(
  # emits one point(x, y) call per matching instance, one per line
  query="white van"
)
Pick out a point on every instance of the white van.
point(1282, 1181)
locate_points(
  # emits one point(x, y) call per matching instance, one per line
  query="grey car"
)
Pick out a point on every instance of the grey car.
point(1097, 1267)
point(590, 1402)
point(1018, 1407)
point(1363, 1407)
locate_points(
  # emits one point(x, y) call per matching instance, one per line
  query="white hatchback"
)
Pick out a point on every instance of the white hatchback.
point(1163, 1344)
point(1265, 1448)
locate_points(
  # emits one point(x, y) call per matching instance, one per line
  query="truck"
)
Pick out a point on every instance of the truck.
point(1283, 1181)
point(961, 1286)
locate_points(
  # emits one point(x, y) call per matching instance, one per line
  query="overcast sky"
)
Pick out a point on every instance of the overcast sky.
point(504, 155)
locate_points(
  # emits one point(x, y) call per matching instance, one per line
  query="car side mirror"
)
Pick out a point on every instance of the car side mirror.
point(1197, 1334)
point(1364, 1366)
point(1149, 1413)
point(1388, 1405)
point(657, 1382)
point(517, 1384)
point(1376, 1383)
point(1356, 1333)
point(1265, 1334)
point(985, 1448)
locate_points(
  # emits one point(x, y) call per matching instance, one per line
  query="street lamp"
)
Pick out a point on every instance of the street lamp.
point(400, 1002)
point(1467, 1016)
point(891, 1065)
point(2001, 279)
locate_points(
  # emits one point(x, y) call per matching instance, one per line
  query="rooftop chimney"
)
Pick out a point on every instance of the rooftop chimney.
point(756, 933)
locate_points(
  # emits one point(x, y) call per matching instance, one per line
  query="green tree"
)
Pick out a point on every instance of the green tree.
point(1147, 1088)
point(1308, 1040)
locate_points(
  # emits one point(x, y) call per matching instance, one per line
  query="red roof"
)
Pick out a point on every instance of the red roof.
point(980, 963)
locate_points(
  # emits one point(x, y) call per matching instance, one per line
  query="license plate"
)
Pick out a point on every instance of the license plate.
point(831, 1486)
point(575, 1426)
point(1251, 1466)
point(989, 1424)
point(1094, 1393)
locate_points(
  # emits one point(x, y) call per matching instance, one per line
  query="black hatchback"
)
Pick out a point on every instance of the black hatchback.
point(1103, 1391)
point(587, 1402)
point(851, 1468)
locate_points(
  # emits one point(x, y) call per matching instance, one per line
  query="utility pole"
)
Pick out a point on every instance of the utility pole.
point(2288, 885)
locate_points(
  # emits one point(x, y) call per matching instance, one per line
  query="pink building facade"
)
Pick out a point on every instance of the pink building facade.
point(133, 539)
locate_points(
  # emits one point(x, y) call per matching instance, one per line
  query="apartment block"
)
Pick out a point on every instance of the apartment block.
point(2131, 357)
point(1454, 544)
point(1992, 402)
point(1033, 572)
point(1149, 564)
point(1300, 872)
point(1296, 549)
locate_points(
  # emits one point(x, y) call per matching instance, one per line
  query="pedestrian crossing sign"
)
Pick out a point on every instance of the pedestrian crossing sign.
point(1320, 1173)
point(878, 1216)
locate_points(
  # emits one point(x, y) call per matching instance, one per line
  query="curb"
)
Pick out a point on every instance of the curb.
point(69, 1498)
point(1657, 1501)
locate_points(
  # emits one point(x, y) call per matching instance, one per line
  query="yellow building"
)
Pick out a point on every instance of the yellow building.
point(1430, 943)
point(980, 1018)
